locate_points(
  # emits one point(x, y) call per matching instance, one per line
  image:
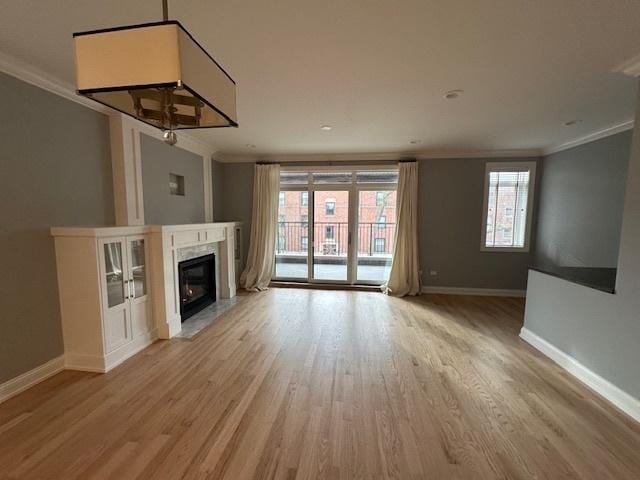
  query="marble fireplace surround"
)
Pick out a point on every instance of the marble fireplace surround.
point(171, 244)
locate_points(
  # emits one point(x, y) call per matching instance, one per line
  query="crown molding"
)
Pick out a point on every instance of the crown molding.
point(631, 67)
point(34, 76)
point(369, 157)
point(592, 137)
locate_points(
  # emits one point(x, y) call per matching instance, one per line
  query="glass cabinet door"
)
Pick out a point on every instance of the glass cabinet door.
point(138, 268)
point(114, 273)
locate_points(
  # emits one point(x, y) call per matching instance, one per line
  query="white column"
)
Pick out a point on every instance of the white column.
point(126, 165)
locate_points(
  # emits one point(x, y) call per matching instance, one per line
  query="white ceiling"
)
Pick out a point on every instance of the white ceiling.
point(376, 70)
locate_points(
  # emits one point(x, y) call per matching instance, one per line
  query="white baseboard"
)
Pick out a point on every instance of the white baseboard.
point(98, 364)
point(28, 379)
point(118, 356)
point(84, 363)
point(621, 399)
point(74, 361)
point(484, 292)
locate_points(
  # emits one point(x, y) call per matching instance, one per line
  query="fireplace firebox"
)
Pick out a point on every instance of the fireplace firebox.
point(197, 284)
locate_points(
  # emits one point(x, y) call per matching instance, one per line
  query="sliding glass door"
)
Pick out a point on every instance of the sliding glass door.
point(336, 226)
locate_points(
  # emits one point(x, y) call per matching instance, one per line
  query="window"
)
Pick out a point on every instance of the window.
point(330, 207)
point(294, 178)
point(281, 199)
point(379, 245)
point(304, 243)
point(329, 232)
point(304, 219)
point(508, 201)
point(304, 198)
point(333, 177)
point(383, 219)
point(380, 198)
point(282, 242)
point(280, 218)
point(380, 176)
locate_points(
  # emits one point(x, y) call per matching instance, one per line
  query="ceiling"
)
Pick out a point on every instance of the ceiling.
point(376, 70)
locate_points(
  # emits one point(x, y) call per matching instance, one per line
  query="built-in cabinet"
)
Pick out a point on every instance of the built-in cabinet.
point(118, 286)
point(105, 300)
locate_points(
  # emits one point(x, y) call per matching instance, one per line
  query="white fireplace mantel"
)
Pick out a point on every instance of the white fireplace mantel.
point(166, 242)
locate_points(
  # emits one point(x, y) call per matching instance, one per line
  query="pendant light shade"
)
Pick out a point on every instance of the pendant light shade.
point(157, 73)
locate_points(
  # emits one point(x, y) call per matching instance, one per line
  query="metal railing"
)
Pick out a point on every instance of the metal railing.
point(332, 238)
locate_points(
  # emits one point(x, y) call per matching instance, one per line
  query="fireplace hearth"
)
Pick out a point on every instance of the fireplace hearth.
point(197, 284)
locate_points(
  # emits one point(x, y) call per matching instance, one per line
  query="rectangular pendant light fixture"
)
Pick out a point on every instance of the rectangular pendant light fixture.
point(157, 73)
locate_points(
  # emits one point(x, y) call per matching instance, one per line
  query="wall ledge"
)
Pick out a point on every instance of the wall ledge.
point(618, 397)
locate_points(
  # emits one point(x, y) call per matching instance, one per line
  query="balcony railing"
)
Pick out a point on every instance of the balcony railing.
point(332, 238)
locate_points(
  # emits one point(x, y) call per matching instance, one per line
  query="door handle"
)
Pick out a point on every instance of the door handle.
point(130, 294)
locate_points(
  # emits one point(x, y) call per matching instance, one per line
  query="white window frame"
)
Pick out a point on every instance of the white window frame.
point(509, 167)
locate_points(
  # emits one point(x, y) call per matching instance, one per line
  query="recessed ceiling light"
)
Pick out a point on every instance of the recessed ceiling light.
point(250, 145)
point(326, 128)
point(570, 123)
point(452, 94)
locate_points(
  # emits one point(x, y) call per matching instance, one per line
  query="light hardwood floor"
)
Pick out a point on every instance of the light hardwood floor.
point(326, 384)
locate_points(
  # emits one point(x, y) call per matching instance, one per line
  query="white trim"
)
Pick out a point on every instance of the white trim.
point(480, 292)
point(631, 67)
point(129, 209)
point(30, 74)
point(391, 156)
point(103, 364)
point(34, 76)
point(115, 358)
point(621, 399)
point(84, 363)
point(37, 77)
point(19, 384)
point(509, 166)
point(592, 137)
point(127, 167)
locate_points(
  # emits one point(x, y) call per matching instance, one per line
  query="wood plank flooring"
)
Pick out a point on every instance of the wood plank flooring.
point(326, 384)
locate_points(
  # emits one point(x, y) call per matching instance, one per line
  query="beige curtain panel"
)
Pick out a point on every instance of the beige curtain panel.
point(264, 219)
point(404, 278)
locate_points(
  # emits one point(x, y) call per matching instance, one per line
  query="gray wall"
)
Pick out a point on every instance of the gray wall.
point(56, 170)
point(451, 202)
point(233, 195)
point(599, 330)
point(158, 161)
point(581, 200)
point(451, 199)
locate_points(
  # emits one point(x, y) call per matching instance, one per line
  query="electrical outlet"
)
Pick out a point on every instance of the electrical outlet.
point(433, 273)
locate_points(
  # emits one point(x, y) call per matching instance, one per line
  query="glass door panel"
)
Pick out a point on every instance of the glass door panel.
point(138, 268)
point(331, 235)
point(376, 233)
point(114, 274)
point(292, 244)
